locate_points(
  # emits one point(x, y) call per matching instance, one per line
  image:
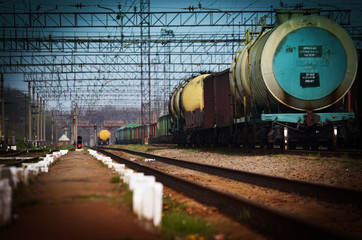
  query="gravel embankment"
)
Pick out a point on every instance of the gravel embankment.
point(336, 171)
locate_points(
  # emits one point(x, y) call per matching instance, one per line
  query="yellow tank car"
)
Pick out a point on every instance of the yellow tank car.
point(103, 137)
point(188, 96)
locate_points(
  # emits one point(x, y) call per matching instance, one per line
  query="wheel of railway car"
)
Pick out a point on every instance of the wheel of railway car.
point(236, 139)
point(270, 145)
point(292, 145)
point(282, 146)
point(197, 140)
point(202, 139)
point(188, 141)
point(331, 146)
point(194, 140)
point(306, 146)
point(208, 138)
point(262, 146)
point(315, 145)
point(250, 145)
point(221, 138)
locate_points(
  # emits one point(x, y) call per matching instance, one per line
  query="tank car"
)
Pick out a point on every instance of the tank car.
point(285, 87)
point(187, 98)
point(103, 137)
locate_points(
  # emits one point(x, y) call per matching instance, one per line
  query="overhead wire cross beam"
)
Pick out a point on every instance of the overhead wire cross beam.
point(60, 52)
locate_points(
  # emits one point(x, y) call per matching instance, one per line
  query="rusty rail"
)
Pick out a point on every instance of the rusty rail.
point(278, 223)
point(319, 191)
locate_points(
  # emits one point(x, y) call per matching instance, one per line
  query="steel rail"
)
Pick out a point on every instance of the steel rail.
point(323, 153)
point(280, 224)
point(18, 161)
point(319, 191)
point(11, 153)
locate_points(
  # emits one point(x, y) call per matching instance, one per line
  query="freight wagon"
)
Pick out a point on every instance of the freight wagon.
point(287, 87)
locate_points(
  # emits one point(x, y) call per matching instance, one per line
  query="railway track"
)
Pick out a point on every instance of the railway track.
point(12, 158)
point(353, 154)
point(268, 219)
point(16, 161)
point(324, 192)
point(11, 153)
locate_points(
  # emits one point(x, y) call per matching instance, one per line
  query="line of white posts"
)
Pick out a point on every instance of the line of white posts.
point(147, 193)
point(10, 177)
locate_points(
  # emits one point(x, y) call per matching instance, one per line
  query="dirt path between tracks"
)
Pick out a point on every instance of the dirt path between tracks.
point(75, 200)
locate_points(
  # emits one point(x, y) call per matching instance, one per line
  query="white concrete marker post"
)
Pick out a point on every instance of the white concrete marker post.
point(157, 208)
point(5, 202)
point(139, 187)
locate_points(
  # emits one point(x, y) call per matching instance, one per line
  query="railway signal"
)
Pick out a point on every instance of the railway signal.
point(79, 142)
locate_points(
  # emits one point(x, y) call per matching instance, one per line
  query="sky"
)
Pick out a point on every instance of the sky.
point(16, 80)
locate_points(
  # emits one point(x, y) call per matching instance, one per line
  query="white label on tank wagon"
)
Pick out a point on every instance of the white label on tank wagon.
point(309, 80)
point(310, 51)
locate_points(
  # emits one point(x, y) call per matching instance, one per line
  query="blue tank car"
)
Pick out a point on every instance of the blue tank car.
point(306, 63)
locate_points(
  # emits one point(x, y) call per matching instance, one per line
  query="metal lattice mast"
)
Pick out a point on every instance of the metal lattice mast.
point(166, 35)
point(145, 62)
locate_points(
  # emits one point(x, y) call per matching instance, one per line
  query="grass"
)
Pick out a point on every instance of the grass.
point(30, 203)
point(177, 223)
point(102, 164)
point(170, 204)
point(345, 156)
point(317, 155)
point(140, 148)
point(66, 147)
point(244, 215)
point(136, 147)
point(352, 164)
point(125, 197)
point(94, 196)
point(114, 179)
point(196, 150)
point(218, 150)
point(84, 198)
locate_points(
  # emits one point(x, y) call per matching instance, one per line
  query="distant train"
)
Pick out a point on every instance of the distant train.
point(134, 133)
point(103, 137)
point(290, 86)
